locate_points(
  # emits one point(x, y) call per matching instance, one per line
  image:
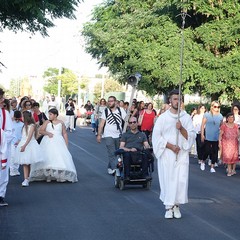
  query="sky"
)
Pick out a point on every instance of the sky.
point(27, 55)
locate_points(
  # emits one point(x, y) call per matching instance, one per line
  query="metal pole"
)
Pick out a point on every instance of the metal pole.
point(128, 110)
point(183, 15)
point(133, 81)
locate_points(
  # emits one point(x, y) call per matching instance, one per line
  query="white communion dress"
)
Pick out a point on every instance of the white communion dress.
point(32, 153)
point(58, 163)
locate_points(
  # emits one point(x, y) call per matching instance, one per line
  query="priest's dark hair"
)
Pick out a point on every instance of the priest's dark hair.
point(174, 92)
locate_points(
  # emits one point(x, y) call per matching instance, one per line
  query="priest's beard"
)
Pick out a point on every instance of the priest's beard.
point(175, 107)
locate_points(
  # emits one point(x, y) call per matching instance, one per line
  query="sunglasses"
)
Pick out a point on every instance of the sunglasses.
point(4, 105)
point(216, 106)
point(132, 122)
point(28, 105)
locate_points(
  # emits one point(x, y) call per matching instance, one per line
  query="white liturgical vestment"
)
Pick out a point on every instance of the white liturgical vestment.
point(173, 170)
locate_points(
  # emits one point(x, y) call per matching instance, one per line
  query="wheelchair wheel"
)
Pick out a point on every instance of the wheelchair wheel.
point(147, 185)
point(121, 185)
point(116, 181)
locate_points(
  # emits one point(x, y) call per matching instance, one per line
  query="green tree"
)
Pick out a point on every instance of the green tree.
point(34, 16)
point(14, 89)
point(144, 36)
point(110, 85)
point(51, 81)
point(69, 81)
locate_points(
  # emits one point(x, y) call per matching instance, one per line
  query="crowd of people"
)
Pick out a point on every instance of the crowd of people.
point(217, 137)
point(33, 138)
point(172, 136)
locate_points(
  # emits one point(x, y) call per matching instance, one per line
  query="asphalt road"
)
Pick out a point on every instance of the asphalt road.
point(93, 209)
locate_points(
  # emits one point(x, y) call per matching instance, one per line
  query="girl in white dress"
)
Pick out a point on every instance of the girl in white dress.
point(58, 164)
point(28, 150)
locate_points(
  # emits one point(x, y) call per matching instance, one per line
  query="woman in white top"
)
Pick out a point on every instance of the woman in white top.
point(236, 113)
point(197, 122)
point(100, 108)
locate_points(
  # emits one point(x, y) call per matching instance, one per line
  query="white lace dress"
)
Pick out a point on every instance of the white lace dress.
point(32, 153)
point(58, 163)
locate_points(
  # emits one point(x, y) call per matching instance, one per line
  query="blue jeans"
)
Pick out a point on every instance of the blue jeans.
point(112, 145)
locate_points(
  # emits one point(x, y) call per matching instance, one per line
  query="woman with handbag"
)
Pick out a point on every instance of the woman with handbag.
point(146, 120)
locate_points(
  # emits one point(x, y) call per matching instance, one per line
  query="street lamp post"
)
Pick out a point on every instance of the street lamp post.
point(133, 80)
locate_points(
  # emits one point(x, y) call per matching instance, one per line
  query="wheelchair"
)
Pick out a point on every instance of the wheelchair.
point(136, 174)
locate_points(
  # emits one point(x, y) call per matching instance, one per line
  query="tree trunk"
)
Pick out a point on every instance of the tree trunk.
point(215, 96)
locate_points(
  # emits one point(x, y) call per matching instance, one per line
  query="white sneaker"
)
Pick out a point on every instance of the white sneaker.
point(25, 183)
point(209, 162)
point(169, 213)
point(212, 170)
point(176, 212)
point(202, 166)
point(215, 165)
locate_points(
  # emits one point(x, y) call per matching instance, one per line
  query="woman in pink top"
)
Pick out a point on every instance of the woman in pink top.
point(147, 119)
point(228, 144)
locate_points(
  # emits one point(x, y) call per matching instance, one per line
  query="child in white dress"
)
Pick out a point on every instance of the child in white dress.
point(58, 164)
point(17, 135)
point(28, 150)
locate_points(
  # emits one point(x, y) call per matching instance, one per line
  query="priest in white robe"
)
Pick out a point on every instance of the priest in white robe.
point(173, 155)
point(6, 126)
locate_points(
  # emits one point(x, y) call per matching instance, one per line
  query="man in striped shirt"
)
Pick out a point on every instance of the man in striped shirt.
point(111, 125)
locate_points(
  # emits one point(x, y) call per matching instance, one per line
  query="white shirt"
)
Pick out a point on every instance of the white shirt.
point(53, 104)
point(197, 122)
point(8, 125)
point(17, 131)
point(110, 129)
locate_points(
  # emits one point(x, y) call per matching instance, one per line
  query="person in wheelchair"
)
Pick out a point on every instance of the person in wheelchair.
point(132, 142)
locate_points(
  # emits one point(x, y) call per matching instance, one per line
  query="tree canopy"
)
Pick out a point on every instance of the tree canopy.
point(69, 81)
point(34, 16)
point(145, 36)
point(110, 85)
